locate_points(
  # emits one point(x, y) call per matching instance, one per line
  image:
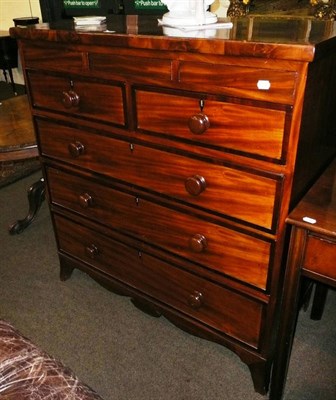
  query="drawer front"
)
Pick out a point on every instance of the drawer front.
point(253, 131)
point(138, 68)
point(231, 192)
point(320, 256)
point(213, 305)
point(240, 81)
point(230, 252)
point(95, 100)
point(53, 57)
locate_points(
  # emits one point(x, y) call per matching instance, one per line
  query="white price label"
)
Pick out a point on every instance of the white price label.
point(263, 84)
point(309, 220)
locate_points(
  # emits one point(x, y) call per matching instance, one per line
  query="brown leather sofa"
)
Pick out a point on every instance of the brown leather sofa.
point(27, 372)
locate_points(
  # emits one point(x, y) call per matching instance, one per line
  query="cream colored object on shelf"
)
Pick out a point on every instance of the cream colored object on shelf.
point(188, 12)
point(220, 8)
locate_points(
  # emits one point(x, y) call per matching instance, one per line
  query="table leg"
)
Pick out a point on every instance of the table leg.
point(288, 313)
point(12, 81)
point(36, 196)
point(319, 301)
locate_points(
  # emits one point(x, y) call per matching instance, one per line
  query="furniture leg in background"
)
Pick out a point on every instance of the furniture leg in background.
point(36, 196)
point(8, 57)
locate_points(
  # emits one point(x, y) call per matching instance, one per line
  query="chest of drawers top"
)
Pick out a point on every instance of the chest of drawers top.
point(271, 38)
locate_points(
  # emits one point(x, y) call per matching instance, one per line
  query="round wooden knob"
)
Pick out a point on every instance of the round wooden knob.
point(85, 200)
point(195, 300)
point(70, 99)
point(198, 243)
point(76, 149)
point(199, 123)
point(195, 185)
point(91, 251)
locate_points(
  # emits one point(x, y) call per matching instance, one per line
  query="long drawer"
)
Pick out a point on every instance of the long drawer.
point(93, 99)
point(229, 312)
point(237, 194)
point(220, 248)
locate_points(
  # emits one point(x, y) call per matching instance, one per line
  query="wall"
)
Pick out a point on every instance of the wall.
point(10, 9)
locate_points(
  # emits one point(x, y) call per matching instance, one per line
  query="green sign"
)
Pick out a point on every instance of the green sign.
point(148, 4)
point(81, 3)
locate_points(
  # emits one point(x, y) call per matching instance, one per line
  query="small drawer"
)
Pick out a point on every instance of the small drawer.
point(241, 81)
point(235, 254)
point(252, 131)
point(231, 313)
point(138, 68)
point(102, 101)
point(53, 57)
point(234, 193)
point(320, 256)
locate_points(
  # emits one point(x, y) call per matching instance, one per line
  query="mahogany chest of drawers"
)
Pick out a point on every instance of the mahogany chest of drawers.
point(171, 163)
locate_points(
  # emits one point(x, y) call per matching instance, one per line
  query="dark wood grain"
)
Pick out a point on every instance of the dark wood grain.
point(172, 162)
point(255, 131)
point(165, 283)
point(235, 254)
point(121, 160)
point(102, 101)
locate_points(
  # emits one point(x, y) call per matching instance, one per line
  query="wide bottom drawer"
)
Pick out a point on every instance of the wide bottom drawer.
point(213, 305)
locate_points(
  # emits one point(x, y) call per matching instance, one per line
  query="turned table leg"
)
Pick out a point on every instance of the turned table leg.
point(36, 196)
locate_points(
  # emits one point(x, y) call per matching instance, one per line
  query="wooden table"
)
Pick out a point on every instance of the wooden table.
point(312, 253)
point(18, 142)
point(17, 137)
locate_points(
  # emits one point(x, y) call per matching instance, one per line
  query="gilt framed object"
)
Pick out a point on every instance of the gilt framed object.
point(321, 9)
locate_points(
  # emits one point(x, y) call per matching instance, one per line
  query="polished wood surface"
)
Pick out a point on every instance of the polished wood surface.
point(312, 253)
point(17, 136)
point(172, 162)
point(319, 204)
point(173, 231)
point(287, 38)
point(216, 195)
